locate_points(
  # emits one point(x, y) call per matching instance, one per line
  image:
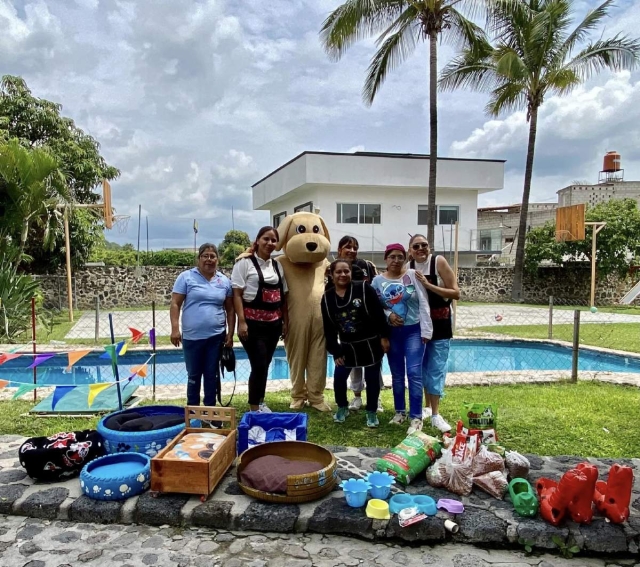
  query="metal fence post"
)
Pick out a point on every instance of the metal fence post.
point(551, 316)
point(35, 348)
point(97, 330)
point(576, 345)
point(153, 366)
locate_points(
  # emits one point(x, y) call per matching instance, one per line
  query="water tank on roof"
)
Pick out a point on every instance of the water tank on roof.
point(612, 162)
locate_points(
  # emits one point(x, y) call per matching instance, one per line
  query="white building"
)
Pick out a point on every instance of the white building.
point(381, 198)
point(592, 194)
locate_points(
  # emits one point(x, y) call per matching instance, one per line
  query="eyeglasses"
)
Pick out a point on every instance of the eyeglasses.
point(420, 246)
point(209, 257)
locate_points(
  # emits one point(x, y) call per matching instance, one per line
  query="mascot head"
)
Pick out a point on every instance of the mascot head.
point(304, 238)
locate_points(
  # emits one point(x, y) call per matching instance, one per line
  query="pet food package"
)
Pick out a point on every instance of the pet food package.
point(480, 416)
point(411, 457)
point(457, 472)
point(485, 436)
point(61, 455)
point(494, 483)
point(486, 461)
point(518, 465)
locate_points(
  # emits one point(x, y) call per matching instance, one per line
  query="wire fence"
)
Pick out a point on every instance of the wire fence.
point(493, 344)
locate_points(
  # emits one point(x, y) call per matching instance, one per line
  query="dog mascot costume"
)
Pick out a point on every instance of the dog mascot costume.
point(304, 239)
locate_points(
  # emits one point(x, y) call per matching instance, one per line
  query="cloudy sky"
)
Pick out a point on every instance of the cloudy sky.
point(195, 100)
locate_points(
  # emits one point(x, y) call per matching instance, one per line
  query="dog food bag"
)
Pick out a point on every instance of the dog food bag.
point(457, 473)
point(437, 474)
point(484, 436)
point(411, 457)
point(494, 483)
point(518, 465)
point(480, 416)
point(485, 462)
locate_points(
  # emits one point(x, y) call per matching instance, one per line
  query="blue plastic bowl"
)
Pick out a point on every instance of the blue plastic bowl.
point(425, 504)
point(400, 502)
point(355, 491)
point(116, 477)
point(380, 484)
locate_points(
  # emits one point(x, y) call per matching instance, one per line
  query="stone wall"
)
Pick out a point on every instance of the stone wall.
point(133, 287)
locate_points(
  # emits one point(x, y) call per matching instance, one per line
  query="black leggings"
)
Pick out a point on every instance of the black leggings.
point(371, 379)
point(260, 344)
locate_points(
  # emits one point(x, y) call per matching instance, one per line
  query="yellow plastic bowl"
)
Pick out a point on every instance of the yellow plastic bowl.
point(378, 509)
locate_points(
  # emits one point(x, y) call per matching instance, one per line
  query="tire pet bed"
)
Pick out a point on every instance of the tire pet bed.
point(116, 477)
point(149, 442)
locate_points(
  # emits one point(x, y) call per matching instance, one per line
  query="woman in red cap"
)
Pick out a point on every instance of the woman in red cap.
point(407, 310)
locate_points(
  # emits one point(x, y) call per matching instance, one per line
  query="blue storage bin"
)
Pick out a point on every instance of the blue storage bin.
point(257, 428)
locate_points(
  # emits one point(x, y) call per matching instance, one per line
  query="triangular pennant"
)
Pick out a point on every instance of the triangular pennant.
point(23, 389)
point(59, 393)
point(9, 356)
point(94, 390)
point(152, 338)
point(136, 335)
point(123, 350)
point(111, 353)
point(76, 355)
point(140, 370)
point(3, 384)
point(40, 358)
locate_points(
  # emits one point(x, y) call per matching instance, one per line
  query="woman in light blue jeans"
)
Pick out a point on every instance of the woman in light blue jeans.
point(407, 309)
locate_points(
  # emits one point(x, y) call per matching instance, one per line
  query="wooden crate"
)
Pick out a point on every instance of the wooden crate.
point(196, 477)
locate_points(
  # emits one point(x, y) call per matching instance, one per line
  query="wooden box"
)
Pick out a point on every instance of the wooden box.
point(196, 476)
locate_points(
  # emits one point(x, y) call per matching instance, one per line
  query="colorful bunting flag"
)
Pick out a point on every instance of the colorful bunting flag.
point(136, 335)
point(124, 348)
point(59, 393)
point(152, 338)
point(9, 356)
point(3, 384)
point(40, 358)
point(76, 355)
point(94, 390)
point(140, 370)
point(116, 348)
point(24, 389)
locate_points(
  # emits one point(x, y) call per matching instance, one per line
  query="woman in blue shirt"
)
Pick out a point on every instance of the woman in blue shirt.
point(208, 321)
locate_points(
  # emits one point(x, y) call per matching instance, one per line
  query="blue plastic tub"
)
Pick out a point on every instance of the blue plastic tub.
point(425, 504)
point(355, 491)
point(257, 428)
point(149, 443)
point(380, 484)
point(116, 477)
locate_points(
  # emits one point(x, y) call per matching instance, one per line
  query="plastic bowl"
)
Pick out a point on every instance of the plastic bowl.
point(355, 491)
point(400, 502)
point(378, 509)
point(425, 504)
point(380, 484)
point(451, 506)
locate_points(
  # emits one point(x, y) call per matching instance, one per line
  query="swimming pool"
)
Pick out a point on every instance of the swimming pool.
point(465, 356)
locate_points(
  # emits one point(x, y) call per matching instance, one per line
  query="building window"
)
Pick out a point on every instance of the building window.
point(448, 214)
point(306, 208)
point(354, 213)
point(508, 240)
point(277, 219)
point(423, 215)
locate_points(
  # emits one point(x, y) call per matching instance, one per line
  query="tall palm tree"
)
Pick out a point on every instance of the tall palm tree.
point(401, 24)
point(536, 53)
point(33, 186)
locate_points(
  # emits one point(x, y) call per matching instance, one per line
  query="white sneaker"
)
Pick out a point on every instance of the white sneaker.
point(426, 413)
point(398, 419)
point(380, 408)
point(438, 422)
point(356, 403)
point(264, 408)
point(416, 425)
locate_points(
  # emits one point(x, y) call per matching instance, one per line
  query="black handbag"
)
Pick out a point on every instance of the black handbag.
point(228, 363)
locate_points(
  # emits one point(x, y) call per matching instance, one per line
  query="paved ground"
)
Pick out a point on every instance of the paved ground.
point(469, 317)
point(43, 543)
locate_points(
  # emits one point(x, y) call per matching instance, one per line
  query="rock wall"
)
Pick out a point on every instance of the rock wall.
point(136, 287)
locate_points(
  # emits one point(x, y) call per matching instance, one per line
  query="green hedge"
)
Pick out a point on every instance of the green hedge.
point(128, 258)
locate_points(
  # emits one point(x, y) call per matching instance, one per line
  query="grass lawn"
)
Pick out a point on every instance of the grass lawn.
point(620, 336)
point(620, 309)
point(555, 419)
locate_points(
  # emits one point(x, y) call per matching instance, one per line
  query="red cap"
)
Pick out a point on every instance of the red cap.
point(391, 247)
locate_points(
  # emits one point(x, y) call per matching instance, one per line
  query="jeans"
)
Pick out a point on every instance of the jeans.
point(260, 345)
point(202, 358)
point(406, 347)
point(356, 382)
point(372, 379)
point(434, 366)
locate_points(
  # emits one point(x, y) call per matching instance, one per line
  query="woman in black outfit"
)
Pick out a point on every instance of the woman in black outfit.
point(259, 290)
point(353, 314)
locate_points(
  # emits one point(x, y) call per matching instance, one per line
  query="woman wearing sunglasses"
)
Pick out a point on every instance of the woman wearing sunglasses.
point(438, 279)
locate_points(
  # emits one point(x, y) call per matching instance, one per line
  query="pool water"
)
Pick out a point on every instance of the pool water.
point(465, 356)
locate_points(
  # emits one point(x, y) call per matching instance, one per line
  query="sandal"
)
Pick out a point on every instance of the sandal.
point(523, 497)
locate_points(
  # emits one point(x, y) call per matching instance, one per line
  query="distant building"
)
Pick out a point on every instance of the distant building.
point(382, 197)
point(591, 195)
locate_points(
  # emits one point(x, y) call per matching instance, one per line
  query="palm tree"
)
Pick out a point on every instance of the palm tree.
point(401, 24)
point(33, 187)
point(536, 53)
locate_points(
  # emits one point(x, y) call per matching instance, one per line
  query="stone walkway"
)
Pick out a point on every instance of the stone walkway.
point(45, 543)
point(486, 522)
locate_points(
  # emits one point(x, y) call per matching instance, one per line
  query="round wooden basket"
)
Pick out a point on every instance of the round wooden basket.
point(302, 487)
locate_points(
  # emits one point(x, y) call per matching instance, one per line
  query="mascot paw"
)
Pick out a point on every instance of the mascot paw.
point(297, 404)
point(323, 406)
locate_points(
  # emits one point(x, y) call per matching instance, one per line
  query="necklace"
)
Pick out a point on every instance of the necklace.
point(348, 300)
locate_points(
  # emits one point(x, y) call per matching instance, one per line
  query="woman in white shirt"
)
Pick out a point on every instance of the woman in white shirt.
point(259, 290)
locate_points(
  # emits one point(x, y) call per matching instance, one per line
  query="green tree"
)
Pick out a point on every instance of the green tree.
point(38, 123)
point(400, 25)
point(237, 237)
point(618, 244)
point(536, 53)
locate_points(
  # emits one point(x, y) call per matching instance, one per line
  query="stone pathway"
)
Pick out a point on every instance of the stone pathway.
point(486, 521)
point(46, 543)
